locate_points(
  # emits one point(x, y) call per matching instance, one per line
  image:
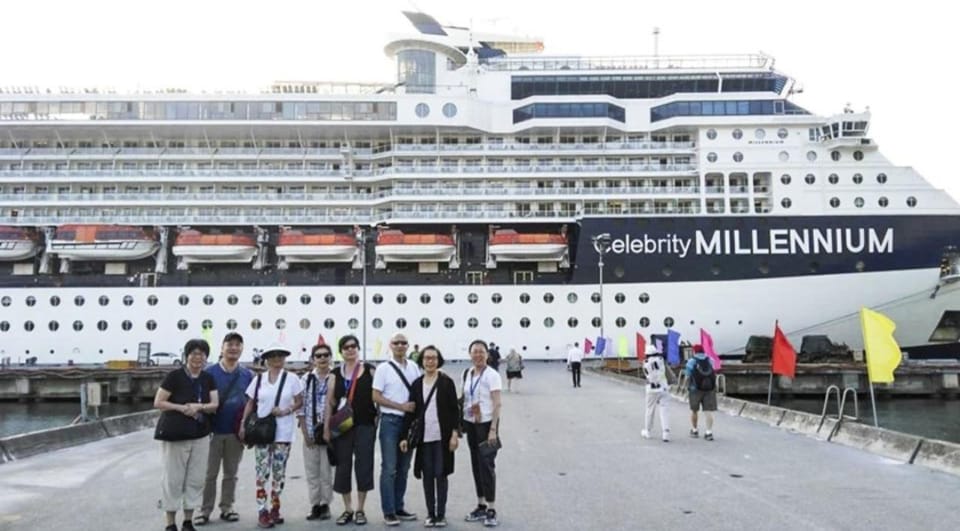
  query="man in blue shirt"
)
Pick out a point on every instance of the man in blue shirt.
point(703, 390)
point(225, 448)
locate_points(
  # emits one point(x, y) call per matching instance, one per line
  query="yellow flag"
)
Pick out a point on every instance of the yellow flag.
point(623, 348)
point(880, 348)
point(377, 348)
point(336, 350)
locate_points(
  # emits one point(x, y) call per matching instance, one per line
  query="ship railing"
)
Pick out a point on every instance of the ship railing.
point(660, 62)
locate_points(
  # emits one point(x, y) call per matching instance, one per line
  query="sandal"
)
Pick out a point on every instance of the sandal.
point(229, 516)
point(202, 519)
point(361, 519)
point(345, 518)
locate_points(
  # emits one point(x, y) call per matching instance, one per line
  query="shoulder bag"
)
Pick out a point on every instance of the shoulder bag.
point(341, 421)
point(262, 430)
point(415, 434)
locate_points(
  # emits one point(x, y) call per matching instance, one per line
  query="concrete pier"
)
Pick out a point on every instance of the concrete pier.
point(572, 459)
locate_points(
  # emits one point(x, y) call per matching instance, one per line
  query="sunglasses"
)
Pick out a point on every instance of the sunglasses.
point(399, 343)
point(322, 355)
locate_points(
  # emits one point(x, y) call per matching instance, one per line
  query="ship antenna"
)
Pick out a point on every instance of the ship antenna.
point(656, 46)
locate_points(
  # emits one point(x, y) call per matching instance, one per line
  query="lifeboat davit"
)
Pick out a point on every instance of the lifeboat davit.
point(17, 244)
point(193, 246)
point(395, 246)
point(303, 245)
point(508, 245)
point(102, 242)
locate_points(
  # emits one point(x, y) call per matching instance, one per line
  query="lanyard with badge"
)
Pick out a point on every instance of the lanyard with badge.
point(475, 405)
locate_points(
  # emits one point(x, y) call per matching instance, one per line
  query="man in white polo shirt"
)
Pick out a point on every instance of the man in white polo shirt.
point(391, 391)
point(574, 357)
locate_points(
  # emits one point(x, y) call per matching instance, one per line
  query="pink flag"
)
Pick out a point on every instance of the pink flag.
point(587, 346)
point(707, 343)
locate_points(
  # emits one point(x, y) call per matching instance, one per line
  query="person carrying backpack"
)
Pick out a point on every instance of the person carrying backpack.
point(703, 390)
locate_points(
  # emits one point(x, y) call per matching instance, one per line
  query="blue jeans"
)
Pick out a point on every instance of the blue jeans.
point(394, 464)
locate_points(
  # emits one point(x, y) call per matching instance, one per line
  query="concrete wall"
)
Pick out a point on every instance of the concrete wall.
point(28, 444)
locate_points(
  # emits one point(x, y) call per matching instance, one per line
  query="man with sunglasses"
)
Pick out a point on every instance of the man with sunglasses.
point(391, 391)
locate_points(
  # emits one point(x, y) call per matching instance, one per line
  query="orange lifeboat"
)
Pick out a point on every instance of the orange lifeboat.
point(396, 246)
point(508, 245)
point(193, 246)
point(17, 244)
point(316, 245)
point(102, 242)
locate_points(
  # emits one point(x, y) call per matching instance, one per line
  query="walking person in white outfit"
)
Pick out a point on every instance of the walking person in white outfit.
point(658, 394)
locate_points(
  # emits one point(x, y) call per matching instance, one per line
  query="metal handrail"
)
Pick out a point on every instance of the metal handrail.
point(856, 404)
point(841, 404)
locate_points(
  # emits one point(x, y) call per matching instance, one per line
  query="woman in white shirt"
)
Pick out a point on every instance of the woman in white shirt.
point(271, 459)
point(481, 420)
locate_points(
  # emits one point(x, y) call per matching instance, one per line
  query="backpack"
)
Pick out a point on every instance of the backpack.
point(703, 375)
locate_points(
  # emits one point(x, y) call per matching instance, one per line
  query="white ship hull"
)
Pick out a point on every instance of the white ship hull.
point(104, 251)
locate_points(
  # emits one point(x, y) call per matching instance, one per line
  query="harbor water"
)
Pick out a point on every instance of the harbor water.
point(16, 417)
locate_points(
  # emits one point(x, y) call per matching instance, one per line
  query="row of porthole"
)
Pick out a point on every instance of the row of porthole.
point(353, 324)
point(422, 110)
point(784, 156)
point(857, 202)
point(833, 178)
point(737, 134)
point(377, 298)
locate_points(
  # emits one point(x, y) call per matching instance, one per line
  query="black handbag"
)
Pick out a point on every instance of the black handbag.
point(175, 426)
point(262, 430)
point(415, 433)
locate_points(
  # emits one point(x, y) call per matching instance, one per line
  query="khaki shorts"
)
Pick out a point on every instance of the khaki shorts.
point(707, 398)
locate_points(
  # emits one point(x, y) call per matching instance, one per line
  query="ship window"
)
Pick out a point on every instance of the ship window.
point(883, 202)
point(208, 300)
point(448, 322)
point(785, 178)
point(785, 203)
point(102, 326)
point(305, 299)
point(103, 300)
point(548, 298)
point(621, 322)
point(449, 298)
point(328, 323)
point(572, 322)
point(6, 300)
point(182, 324)
point(525, 322)
point(666, 271)
point(281, 299)
point(424, 298)
point(377, 323)
point(255, 324)
point(207, 324)
point(281, 324)
point(668, 322)
point(524, 298)
point(811, 156)
point(860, 266)
point(782, 133)
point(620, 298)
point(353, 324)
point(595, 297)
point(353, 298)
point(881, 178)
point(422, 110)
point(330, 299)
point(257, 300)
point(28, 326)
point(183, 300)
point(401, 299)
point(401, 323)
point(54, 301)
point(711, 157)
point(712, 134)
point(759, 134)
point(572, 297)
point(784, 156)
point(474, 277)
point(857, 178)
point(911, 201)
point(737, 134)
point(644, 322)
point(833, 178)
point(304, 324)
point(472, 298)
point(715, 270)
point(231, 324)
point(858, 155)
point(377, 298)
point(858, 202)
point(78, 300)
point(548, 322)
point(473, 322)
point(738, 157)
point(644, 298)
point(810, 178)
point(449, 110)
point(151, 325)
point(835, 155)
point(814, 267)
point(424, 323)
point(232, 300)
point(595, 322)
point(834, 202)
point(126, 325)
point(496, 298)
point(53, 326)
point(4, 326)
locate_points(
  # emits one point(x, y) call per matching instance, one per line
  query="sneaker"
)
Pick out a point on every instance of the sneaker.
point(187, 525)
point(325, 512)
point(314, 513)
point(391, 519)
point(491, 519)
point(404, 515)
point(440, 521)
point(429, 522)
point(708, 436)
point(477, 514)
point(264, 521)
point(171, 527)
point(666, 436)
point(275, 516)
point(694, 433)
point(645, 434)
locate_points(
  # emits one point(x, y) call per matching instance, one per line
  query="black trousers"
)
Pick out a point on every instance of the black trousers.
point(484, 466)
point(434, 479)
point(575, 369)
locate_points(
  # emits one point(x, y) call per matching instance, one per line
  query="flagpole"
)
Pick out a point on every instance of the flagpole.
point(873, 402)
point(770, 388)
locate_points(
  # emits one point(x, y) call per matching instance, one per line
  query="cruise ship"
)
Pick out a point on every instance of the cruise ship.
point(490, 191)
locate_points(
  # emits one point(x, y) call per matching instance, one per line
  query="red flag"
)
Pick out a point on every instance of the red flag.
point(641, 347)
point(320, 340)
point(707, 343)
point(783, 359)
point(587, 346)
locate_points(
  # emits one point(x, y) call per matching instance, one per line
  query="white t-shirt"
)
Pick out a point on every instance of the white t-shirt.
point(574, 355)
point(388, 382)
point(268, 394)
point(477, 390)
point(431, 421)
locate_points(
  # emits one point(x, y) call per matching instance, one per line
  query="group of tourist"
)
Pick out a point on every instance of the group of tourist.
point(209, 414)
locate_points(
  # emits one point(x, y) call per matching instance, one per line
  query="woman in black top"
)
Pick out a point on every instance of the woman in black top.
point(353, 449)
point(437, 432)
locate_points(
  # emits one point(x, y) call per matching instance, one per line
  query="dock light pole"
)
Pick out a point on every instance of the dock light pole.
point(601, 244)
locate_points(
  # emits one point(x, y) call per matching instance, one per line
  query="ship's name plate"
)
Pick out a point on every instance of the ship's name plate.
point(756, 241)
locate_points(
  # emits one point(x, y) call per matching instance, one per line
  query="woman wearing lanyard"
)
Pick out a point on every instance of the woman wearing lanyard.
point(481, 415)
point(316, 458)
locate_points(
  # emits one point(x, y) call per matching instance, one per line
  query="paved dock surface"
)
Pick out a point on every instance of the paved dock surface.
point(573, 459)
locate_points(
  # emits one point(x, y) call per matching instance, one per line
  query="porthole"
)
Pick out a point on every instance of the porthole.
point(738, 157)
point(102, 326)
point(811, 156)
point(858, 155)
point(548, 298)
point(377, 298)
point(28, 326)
point(304, 324)
point(785, 178)
point(595, 297)
point(644, 298)
point(496, 298)
point(882, 178)
point(232, 300)
point(353, 298)
point(424, 298)
point(281, 299)
point(54, 300)
point(473, 322)
point(860, 266)
point(280, 324)
point(126, 325)
point(911, 201)
point(352, 324)
point(183, 300)
point(255, 324)
point(572, 297)
point(330, 299)
point(621, 322)
point(857, 178)
point(644, 322)
point(449, 110)
point(401, 299)
point(231, 324)
point(207, 324)
point(53, 326)
point(620, 298)
point(668, 322)
point(596, 322)
point(422, 110)
point(424, 323)
point(151, 325)
point(883, 202)
point(257, 300)
point(473, 298)
point(858, 202)
point(548, 322)
point(572, 322)
point(782, 133)
point(666, 271)
point(328, 324)
point(448, 322)
point(496, 322)
point(182, 324)
point(785, 202)
point(712, 134)
point(834, 202)
point(449, 298)
point(377, 323)
point(78, 301)
point(737, 134)
point(207, 300)
point(78, 325)
point(810, 178)
point(618, 272)
point(759, 134)
point(833, 178)
point(152, 300)
point(128, 300)
point(401, 323)
point(524, 298)
point(4, 326)
point(305, 299)
point(835, 156)
point(6, 300)
point(711, 157)
point(524, 322)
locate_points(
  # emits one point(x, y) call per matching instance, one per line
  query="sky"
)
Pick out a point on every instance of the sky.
point(894, 57)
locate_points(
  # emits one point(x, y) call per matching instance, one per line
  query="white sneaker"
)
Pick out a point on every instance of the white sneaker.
point(666, 435)
point(645, 434)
